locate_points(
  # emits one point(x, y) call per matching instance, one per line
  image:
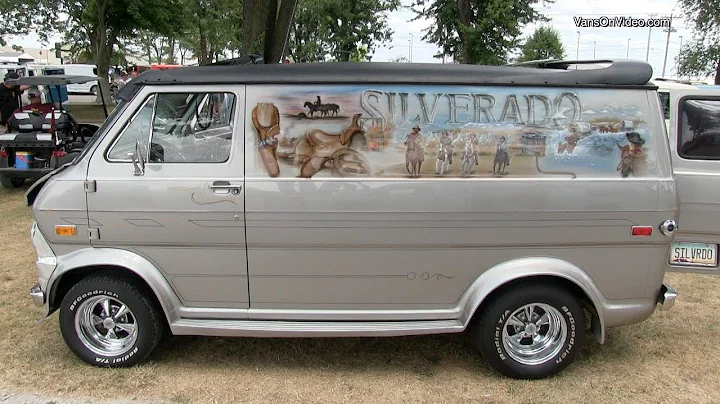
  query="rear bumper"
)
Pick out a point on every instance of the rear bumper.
point(37, 294)
point(666, 297)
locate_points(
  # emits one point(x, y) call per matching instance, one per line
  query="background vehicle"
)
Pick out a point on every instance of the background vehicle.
point(90, 87)
point(36, 144)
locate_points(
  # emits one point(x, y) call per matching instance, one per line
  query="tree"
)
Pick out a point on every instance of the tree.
point(21, 18)
point(544, 43)
point(477, 31)
point(701, 56)
point(339, 29)
point(102, 24)
point(399, 59)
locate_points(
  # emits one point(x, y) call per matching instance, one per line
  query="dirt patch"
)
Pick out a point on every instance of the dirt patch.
point(672, 357)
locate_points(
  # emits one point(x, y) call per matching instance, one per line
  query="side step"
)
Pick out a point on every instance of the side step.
point(276, 329)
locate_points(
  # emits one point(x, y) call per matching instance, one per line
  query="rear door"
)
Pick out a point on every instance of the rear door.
point(185, 211)
point(695, 144)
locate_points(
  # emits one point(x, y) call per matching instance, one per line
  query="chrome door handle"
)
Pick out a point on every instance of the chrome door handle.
point(225, 187)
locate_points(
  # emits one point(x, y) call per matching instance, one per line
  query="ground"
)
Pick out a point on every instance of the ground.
point(672, 357)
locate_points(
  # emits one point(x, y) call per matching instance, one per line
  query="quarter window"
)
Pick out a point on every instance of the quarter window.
point(181, 128)
point(699, 131)
point(665, 101)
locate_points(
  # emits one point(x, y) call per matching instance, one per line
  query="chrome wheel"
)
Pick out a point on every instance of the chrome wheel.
point(534, 333)
point(106, 326)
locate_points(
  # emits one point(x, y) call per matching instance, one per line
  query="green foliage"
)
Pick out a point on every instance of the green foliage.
point(544, 43)
point(339, 29)
point(701, 56)
point(477, 31)
point(399, 59)
point(21, 18)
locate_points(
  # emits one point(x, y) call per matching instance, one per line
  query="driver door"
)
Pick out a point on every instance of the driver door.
point(182, 205)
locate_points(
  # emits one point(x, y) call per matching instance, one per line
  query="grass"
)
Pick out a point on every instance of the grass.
point(672, 357)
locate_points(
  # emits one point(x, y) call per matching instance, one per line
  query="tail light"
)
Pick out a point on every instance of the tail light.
point(58, 153)
point(3, 154)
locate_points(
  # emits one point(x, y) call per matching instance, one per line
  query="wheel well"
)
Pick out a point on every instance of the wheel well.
point(71, 278)
point(566, 284)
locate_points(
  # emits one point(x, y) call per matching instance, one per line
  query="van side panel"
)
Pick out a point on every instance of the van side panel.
point(349, 207)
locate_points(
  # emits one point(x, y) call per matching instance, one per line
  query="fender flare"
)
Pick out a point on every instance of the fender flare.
point(118, 258)
point(518, 269)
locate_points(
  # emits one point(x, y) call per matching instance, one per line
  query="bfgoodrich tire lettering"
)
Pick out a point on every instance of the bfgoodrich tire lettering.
point(109, 322)
point(536, 348)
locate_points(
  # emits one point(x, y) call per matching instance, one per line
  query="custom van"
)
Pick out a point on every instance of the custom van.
point(531, 206)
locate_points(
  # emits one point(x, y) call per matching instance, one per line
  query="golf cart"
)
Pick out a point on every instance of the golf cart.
point(37, 143)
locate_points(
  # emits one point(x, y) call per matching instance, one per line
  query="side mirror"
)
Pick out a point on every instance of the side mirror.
point(137, 160)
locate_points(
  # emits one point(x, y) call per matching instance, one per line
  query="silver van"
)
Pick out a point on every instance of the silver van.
point(527, 205)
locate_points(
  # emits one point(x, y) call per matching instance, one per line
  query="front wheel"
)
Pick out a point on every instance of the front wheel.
point(109, 322)
point(531, 332)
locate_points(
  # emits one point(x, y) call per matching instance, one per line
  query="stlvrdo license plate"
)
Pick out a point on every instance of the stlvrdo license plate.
point(694, 254)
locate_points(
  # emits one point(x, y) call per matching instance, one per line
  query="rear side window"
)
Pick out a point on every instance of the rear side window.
point(699, 129)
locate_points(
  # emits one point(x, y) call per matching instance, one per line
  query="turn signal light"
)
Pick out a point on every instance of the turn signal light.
point(65, 230)
point(642, 230)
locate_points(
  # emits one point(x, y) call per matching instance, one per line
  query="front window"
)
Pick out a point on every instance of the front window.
point(180, 128)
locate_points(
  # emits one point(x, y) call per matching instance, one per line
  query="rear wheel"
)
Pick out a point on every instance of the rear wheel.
point(93, 90)
point(531, 332)
point(109, 322)
point(12, 183)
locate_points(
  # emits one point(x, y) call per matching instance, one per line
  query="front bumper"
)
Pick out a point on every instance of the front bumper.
point(666, 297)
point(37, 294)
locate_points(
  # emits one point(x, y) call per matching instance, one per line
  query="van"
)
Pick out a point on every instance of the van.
point(90, 87)
point(528, 206)
point(667, 87)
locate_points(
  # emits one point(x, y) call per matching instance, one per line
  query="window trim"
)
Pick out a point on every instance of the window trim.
point(143, 104)
point(678, 126)
point(124, 127)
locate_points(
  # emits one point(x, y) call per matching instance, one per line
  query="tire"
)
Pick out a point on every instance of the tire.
point(136, 332)
point(93, 90)
point(12, 183)
point(564, 312)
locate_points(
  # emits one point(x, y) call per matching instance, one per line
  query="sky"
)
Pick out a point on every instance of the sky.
point(609, 42)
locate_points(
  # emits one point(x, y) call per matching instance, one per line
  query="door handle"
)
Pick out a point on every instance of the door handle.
point(225, 187)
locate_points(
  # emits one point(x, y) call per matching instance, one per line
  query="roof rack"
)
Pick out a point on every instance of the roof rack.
point(560, 63)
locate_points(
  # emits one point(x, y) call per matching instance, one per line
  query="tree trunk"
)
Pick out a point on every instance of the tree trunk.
point(465, 14)
point(717, 74)
point(102, 47)
point(282, 29)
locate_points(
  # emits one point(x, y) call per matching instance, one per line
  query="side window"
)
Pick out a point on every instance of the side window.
point(665, 102)
point(138, 129)
point(192, 128)
point(699, 133)
point(181, 128)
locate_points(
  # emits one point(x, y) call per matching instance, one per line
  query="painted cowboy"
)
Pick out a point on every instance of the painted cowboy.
point(446, 144)
point(502, 148)
point(630, 153)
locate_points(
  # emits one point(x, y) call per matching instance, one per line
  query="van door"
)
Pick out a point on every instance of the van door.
point(183, 209)
point(695, 144)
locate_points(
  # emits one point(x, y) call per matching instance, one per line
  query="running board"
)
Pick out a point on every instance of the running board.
point(277, 329)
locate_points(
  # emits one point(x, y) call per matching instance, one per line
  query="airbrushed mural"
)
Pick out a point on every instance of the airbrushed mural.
point(436, 131)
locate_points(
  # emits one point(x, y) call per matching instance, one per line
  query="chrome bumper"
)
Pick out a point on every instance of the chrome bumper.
point(37, 295)
point(666, 297)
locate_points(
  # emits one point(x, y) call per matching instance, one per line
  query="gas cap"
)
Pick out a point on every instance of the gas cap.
point(668, 227)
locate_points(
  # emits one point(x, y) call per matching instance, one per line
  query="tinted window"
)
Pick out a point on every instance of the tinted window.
point(665, 102)
point(699, 131)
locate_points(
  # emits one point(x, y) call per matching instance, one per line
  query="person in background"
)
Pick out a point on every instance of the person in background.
point(9, 97)
point(36, 105)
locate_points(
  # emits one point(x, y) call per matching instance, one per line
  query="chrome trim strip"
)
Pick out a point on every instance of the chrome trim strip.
point(250, 328)
point(37, 294)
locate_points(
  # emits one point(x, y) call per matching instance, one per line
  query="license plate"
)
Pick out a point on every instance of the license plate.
point(694, 254)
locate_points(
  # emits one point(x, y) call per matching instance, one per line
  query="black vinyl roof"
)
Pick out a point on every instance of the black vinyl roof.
point(554, 73)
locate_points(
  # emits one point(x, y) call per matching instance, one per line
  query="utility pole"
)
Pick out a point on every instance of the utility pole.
point(627, 55)
point(411, 46)
point(594, 47)
point(577, 51)
point(669, 30)
point(647, 53)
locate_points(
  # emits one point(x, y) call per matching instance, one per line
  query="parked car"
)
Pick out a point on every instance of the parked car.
point(516, 203)
point(37, 143)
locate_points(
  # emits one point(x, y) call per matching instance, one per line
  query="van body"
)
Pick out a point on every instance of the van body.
point(364, 199)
